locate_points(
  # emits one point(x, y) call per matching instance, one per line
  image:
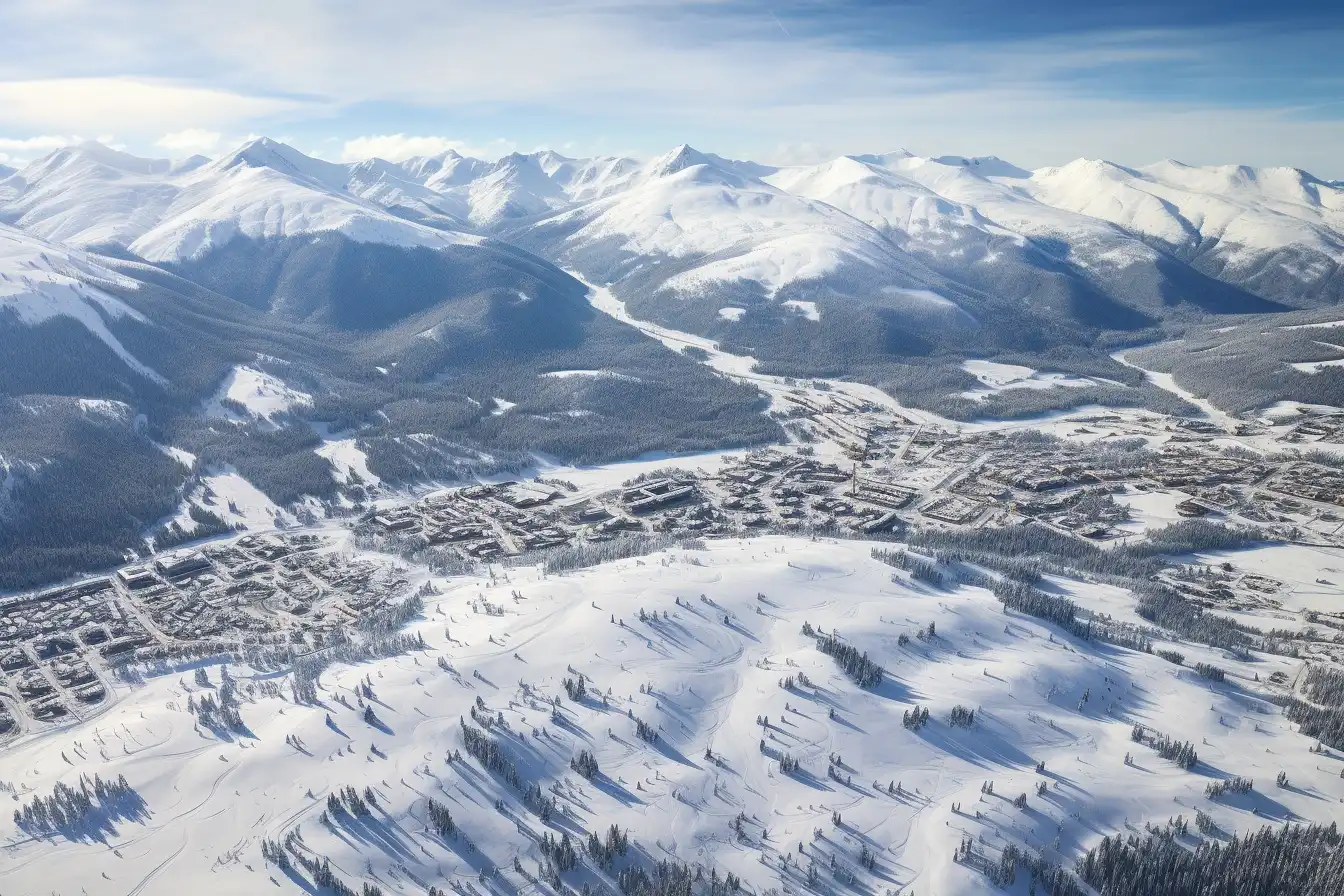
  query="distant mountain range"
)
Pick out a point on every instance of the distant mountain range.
point(419, 306)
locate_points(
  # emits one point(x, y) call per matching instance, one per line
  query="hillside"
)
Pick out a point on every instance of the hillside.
point(439, 372)
point(458, 760)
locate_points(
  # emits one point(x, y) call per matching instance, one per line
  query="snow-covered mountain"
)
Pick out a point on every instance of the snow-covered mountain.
point(1278, 231)
point(91, 195)
point(267, 190)
point(713, 225)
point(42, 281)
point(1160, 231)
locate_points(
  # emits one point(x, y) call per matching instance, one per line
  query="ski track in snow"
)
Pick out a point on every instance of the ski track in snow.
point(714, 679)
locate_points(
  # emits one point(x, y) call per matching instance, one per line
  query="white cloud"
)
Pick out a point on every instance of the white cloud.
point(190, 141)
point(22, 150)
point(127, 105)
point(35, 145)
point(651, 73)
point(397, 147)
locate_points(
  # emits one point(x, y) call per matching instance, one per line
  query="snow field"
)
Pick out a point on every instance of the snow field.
point(998, 377)
point(703, 683)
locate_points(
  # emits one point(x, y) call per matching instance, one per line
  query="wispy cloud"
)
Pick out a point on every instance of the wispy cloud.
point(45, 143)
point(190, 141)
point(128, 105)
point(1043, 79)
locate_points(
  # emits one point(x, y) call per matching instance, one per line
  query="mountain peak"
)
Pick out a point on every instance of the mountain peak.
point(678, 159)
point(1092, 168)
point(259, 152)
point(263, 152)
point(883, 159)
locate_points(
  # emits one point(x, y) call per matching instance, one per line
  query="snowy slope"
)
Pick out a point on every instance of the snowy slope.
point(262, 396)
point(1090, 242)
point(709, 678)
point(523, 185)
point(880, 198)
point(402, 188)
point(40, 281)
point(89, 194)
point(516, 187)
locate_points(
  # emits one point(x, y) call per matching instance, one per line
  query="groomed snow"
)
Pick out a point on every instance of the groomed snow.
point(239, 502)
point(346, 457)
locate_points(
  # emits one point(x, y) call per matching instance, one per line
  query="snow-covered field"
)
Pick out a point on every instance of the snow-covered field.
point(262, 395)
point(998, 377)
point(701, 677)
point(1312, 576)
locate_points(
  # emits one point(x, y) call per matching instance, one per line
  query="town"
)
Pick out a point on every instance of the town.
point(855, 470)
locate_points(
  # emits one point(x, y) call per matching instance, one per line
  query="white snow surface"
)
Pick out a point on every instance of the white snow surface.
point(90, 194)
point(756, 232)
point(346, 457)
point(998, 377)
point(1250, 210)
point(263, 192)
point(263, 395)
point(209, 800)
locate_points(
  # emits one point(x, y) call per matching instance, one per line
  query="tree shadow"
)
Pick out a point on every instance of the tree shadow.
point(979, 747)
point(84, 816)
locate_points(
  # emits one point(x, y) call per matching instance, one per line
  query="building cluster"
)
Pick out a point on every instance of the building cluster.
point(49, 643)
point(890, 473)
point(58, 646)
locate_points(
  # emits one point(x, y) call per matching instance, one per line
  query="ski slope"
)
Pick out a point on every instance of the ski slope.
point(701, 677)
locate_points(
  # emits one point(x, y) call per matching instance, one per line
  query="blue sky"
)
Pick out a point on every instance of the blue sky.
point(1038, 82)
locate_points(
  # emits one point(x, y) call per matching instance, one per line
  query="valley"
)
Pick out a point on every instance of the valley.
point(550, 526)
point(439, 690)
